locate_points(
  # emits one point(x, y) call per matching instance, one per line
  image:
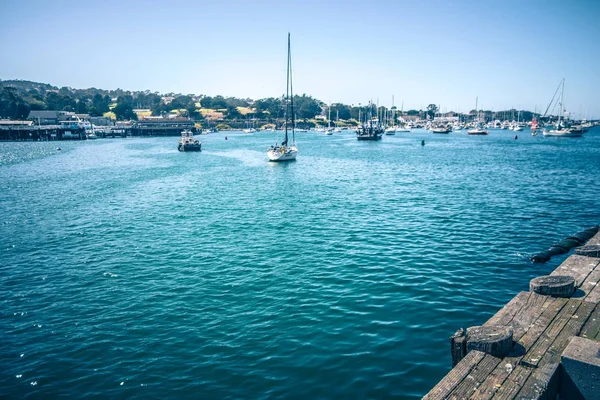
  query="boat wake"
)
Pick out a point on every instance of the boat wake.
point(251, 158)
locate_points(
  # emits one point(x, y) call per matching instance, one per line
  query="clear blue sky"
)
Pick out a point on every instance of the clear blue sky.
point(508, 53)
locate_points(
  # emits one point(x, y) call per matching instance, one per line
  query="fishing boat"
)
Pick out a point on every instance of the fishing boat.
point(187, 142)
point(369, 131)
point(285, 151)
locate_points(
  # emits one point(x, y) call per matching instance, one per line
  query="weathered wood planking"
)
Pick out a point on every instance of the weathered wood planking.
point(591, 329)
point(514, 382)
point(537, 351)
point(507, 313)
point(590, 286)
point(541, 384)
point(579, 267)
point(455, 376)
point(535, 383)
point(540, 318)
point(470, 383)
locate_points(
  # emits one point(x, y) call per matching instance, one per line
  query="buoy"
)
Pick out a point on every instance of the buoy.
point(423, 142)
point(225, 137)
point(516, 137)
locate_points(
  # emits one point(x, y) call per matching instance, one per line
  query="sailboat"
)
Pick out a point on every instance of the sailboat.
point(329, 130)
point(286, 152)
point(563, 128)
point(477, 130)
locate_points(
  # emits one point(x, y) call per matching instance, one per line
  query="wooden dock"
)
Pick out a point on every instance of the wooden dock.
point(542, 328)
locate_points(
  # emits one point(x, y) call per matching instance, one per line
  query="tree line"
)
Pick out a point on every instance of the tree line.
point(19, 97)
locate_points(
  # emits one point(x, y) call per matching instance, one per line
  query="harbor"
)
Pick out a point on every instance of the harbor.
point(159, 254)
point(300, 200)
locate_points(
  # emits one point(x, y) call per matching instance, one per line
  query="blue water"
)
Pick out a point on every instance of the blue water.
point(128, 269)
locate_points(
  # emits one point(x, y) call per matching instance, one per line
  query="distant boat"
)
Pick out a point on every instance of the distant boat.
point(286, 152)
point(369, 131)
point(562, 128)
point(477, 130)
point(187, 142)
point(440, 129)
point(391, 130)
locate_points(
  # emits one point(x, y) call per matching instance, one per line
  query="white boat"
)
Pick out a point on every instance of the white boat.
point(477, 129)
point(562, 127)
point(187, 142)
point(391, 130)
point(285, 151)
point(440, 129)
point(564, 132)
point(251, 130)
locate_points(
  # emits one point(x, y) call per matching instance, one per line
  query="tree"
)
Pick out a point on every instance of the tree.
point(124, 111)
point(306, 107)
point(233, 113)
point(432, 109)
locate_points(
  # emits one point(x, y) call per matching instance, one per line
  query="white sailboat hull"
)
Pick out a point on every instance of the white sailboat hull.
point(282, 153)
point(563, 133)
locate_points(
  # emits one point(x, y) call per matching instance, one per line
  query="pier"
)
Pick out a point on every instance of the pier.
point(544, 343)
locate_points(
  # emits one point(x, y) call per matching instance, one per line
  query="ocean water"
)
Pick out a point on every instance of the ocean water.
point(130, 270)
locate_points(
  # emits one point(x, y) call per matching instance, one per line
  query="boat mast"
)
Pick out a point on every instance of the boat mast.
point(291, 92)
point(562, 107)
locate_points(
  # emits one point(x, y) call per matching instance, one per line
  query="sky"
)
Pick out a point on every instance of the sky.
point(506, 54)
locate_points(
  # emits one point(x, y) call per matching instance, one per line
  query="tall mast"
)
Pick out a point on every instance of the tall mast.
point(291, 91)
point(562, 107)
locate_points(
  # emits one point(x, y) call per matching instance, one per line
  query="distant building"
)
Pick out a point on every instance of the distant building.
point(50, 117)
point(43, 117)
point(101, 121)
point(157, 126)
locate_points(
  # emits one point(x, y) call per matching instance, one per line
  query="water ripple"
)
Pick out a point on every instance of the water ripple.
point(131, 270)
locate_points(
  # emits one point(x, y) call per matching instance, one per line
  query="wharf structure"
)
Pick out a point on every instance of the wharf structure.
point(543, 344)
point(62, 125)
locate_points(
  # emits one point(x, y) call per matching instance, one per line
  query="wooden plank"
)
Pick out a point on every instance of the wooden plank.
point(537, 351)
point(507, 313)
point(591, 328)
point(579, 267)
point(572, 328)
point(514, 382)
point(468, 385)
point(539, 382)
point(536, 330)
point(542, 383)
point(591, 286)
point(455, 376)
point(506, 367)
point(490, 385)
point(531, 312)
